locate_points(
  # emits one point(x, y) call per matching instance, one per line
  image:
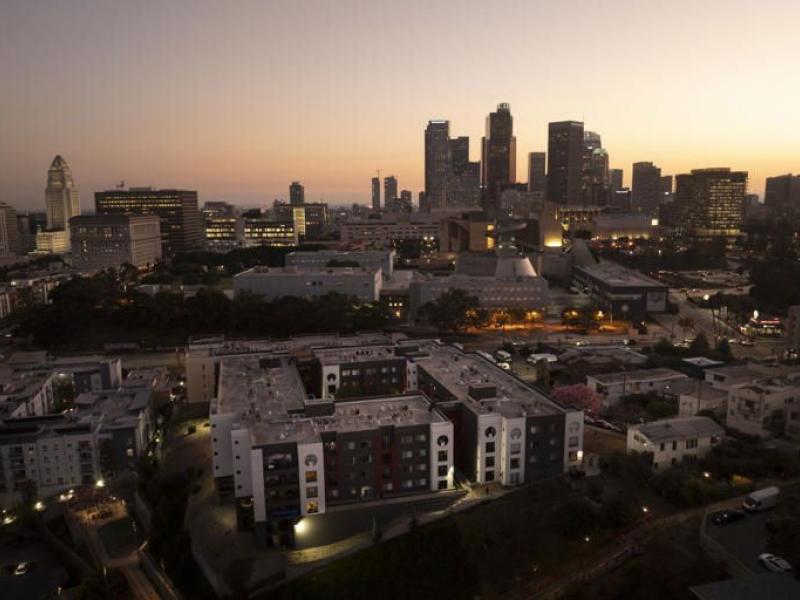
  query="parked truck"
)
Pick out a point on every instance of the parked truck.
point(761, 499)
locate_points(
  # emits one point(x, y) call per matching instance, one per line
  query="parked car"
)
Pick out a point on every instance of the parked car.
point(773, 563)
point(726, 517)
point(746, 342)
point(761, 499)
point(21, 568)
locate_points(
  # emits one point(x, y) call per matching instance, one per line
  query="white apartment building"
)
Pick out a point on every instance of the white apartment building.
point(271, 283)
point(766, 407)
point(612, 386)
point(672, 441)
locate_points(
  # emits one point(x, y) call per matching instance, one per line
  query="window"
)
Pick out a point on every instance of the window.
point(489, 447)
point(490, 432)
point(692, 443)
point(443, 484)
point(421, 437)
point(311, 491)
point(573, 455)
point(407, 483)
point(490, 461)
point(311, 476)
point(489, 475)
point(574, 441)
point(406, 439)
point(442, 471)
point(310, 460)
point(515, 463)
point(423, 452)
point(534, 429)
point(442, 455)
point(407, 454)
point(661, 447)
point(516, 433)
point(442, 440)
point(675, 445)
point(388, 486)
point(312, 507)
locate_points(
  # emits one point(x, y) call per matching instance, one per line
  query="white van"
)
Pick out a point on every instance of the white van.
point(502, 356)
point(761, 499)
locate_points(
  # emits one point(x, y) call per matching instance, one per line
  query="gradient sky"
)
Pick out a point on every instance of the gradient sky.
point(237, 98)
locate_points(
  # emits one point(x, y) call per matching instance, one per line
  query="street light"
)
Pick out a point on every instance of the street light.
point(101, 483)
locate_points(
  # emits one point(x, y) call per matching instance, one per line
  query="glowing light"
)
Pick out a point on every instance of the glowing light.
point(301, 527)
point(645, 509)
point(101, 483)
point(706, 474)
point(39, 506)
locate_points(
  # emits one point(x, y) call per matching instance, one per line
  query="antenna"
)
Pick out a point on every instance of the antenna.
point(378, 173)
point(121, 185)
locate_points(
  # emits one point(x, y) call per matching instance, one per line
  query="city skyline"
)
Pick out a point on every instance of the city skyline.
point(239, 121)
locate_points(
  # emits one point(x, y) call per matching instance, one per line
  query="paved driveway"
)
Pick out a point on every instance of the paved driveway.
point(745, 539)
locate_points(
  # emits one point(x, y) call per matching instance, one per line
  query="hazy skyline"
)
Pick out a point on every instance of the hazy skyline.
point(236, 100)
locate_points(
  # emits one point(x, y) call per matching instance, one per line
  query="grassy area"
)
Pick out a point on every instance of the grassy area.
point(665, 569)
point(487, 552)
point(118, 537)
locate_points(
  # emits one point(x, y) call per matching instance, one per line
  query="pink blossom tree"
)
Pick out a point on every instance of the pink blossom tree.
point(578, 396)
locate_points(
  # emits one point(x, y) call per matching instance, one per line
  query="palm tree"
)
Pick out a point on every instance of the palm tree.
point(686, 324)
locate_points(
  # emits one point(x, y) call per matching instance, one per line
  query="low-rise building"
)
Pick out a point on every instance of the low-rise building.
point(387, 231)
point(321, 259)
point(259, 231)
point(622, 292)
point(277, 282)
point(613, 386)
point(673, 441)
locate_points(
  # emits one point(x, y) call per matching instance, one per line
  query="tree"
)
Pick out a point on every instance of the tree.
point(578, 396)
point(686, 324)
point(699, 343)
point(454, 310)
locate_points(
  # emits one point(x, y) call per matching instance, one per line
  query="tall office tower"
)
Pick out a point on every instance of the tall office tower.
point(182, 225)
point(565, 162)
point(709, 202)
point(665, 186)
point(594, 179)
point(10, 242)
point(459, 154)
point(437, 162)
point(499, 152)
point(389, 191)
point(646, 187)
point(537, 172)
point(782, 197)
point(297, 194)
point(61, 195)
point(376, 193)
point(615, 180)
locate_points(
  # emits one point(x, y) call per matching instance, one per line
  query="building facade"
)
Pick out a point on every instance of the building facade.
point(277, 282)
point(674, 441)
point(109, 241)
point(646, 187)
point(499, 151)
point(710, 202)
point(182, 228)
point(565, 162)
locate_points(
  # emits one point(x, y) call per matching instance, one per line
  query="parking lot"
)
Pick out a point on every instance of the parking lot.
point(745, 539)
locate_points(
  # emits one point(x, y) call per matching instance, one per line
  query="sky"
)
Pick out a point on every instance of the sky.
point(238, 98)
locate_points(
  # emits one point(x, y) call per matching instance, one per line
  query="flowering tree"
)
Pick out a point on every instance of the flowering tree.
point(578, 396)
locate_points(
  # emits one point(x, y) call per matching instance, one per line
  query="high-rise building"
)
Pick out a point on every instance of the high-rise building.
point(565, 162)
point(9, 231)
point(182, 227)
point(709, 202)
point(646, 187)
point(615, 180)
point(666, 185)
point(376, 193)
point(61, 195)
point(109, 241)
point(389, 190)
point(499, 151)
point(297, 194)
point(537, 172)
point(595, 170)
point(437, 162)
point(782, 197)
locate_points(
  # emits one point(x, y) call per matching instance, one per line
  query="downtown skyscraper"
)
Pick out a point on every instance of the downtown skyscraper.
point(437, 162)
point(297, 194)
point(565, 162)
point(710, 202)
point(499, 152)
point(646, 187)
point(61, 196)
point(376, 193)
point(537, 172)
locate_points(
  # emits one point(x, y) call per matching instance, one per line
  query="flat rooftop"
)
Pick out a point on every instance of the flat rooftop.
point(640, 375)
point(345, 354)
point(303, 343)
point(679, 428)
point(619, 276)
point(308, 271)
point(258, 388)
point(458, 371)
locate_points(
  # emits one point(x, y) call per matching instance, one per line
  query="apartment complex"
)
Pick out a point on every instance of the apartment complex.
point(613, 386)
point(109, 241)
point(298, 428)
point(321, 259)
point(767, 407)
point(388, 230)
